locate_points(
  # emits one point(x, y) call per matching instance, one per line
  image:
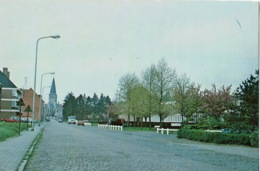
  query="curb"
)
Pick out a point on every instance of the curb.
point(29, 152)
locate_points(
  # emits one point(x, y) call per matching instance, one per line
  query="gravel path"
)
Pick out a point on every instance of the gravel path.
point(71, 147)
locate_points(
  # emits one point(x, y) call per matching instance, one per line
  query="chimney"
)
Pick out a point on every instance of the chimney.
point(6, 72)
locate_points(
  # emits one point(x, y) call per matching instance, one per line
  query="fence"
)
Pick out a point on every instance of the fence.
point(167, 130)
point(87, 124)
point(111, 127)
point(213, 130)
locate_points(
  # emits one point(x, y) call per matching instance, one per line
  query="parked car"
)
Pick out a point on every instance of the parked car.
point(60, 120)
point(80, 122)
point(9, 120)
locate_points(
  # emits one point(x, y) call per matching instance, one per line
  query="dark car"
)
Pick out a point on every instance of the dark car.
point(80, 123)
point(60, 120)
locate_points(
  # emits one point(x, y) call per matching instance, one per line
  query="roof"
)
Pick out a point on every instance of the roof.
point(53, 87)
point(5, 81)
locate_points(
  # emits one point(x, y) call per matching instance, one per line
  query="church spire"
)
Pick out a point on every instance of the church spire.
point(53, 87)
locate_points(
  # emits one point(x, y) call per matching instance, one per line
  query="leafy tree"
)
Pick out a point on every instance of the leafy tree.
point(187, 98)
point(126, 84)
point(216, 102)
point(194, 102)
point(139, 103)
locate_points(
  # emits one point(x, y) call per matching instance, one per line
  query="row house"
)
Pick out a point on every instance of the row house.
point(9, 95)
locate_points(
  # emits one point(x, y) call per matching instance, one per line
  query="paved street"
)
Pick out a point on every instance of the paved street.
point(72, 147)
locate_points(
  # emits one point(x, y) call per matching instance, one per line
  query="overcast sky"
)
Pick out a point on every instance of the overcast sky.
point(101, 40)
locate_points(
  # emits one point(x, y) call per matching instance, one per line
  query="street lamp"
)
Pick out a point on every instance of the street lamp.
point(35, 69)
point(40, 103)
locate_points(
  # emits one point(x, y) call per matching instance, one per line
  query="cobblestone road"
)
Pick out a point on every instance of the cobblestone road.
point(71, 147)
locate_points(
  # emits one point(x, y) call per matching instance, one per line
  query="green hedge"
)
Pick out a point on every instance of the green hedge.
point(254, 139)
point(214, 137)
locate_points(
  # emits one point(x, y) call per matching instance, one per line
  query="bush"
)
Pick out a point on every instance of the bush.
point(214, 137)
point(205, 123)
point(254, 139)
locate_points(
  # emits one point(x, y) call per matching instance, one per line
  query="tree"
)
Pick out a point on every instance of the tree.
point(244, 115)
point(139, 103)
point(126, 84)
point(216, 103)
point(112, 111)
point(94, 102)
point(69, 105)
point(81, 107)
point(194, 102)
point(165, 78)
point(149, 82)
point(181, 95)
point(187, 98)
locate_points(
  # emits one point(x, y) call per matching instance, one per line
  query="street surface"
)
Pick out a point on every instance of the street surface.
point(72, 147)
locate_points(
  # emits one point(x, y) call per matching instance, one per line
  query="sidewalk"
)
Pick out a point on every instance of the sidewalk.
point(12, 150)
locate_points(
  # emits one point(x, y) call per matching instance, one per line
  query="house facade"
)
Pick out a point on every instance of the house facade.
point(28, 100)
point(9, 96)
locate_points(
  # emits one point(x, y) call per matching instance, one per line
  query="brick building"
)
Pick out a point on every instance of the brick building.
point(28, 100)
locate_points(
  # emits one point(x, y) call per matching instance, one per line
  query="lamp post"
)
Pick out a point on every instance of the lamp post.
point(35, 69)
point(40, 102)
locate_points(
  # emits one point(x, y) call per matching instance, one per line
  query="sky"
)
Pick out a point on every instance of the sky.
point(212, 42)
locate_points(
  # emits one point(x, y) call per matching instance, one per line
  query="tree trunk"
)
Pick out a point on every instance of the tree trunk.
point(150, 122)
point(160, 120)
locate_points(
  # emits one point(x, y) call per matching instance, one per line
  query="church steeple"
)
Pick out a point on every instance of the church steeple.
point(53, 98)
point(53, 87)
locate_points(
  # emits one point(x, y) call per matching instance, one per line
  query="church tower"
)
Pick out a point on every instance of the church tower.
point(53, 98)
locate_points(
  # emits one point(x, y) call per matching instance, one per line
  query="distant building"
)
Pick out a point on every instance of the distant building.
point(28, 100)
point(54, 108)
point(9, 95)
point(53, 98)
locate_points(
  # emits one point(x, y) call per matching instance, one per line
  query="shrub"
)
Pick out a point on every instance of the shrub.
point(214, 137)
point(254, 139)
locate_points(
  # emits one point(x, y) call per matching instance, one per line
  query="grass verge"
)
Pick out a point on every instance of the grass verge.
point(138, 129)
point(10, 129)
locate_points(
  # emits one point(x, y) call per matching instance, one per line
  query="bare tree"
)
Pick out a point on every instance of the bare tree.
point(165, 78)
point(180, 93)
point(149, 82)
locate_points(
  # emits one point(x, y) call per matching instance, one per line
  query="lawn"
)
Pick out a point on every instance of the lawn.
point(138, 129)
point(10, 129)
